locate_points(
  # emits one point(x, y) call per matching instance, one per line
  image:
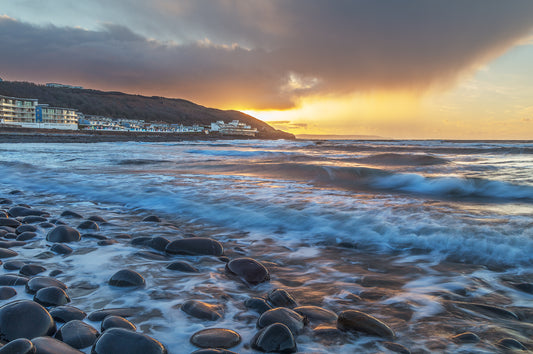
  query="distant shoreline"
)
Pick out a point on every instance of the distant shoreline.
point(26, 135)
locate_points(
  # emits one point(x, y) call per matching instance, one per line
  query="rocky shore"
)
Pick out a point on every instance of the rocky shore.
point(49, 295)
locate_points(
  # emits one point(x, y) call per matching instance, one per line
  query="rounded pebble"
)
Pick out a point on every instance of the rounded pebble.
point(26, 235)
point(60, 248)
point(26, 228)
point(357, 321)
point(510, 343)
point(120, 340)
point(249, 270)
point(216, 338)
point(257, 304)
point(7, 292)
point(127, 278)
point(152, 218)
point(202, 310)
point(49, 345)
point(31, 269)
point(88, 225)
point(51, 296)
point(117, 322)
point(293, 320)
point(37, 283)
point(182, 266)
point(281, 298)
point(466, 337)
point(77, 334)
point(316, 314)
point(195, 246)
point(25, 319)
point(67, 313)
point(7, 253)
point(275, 338)
point(63, 233)
point(18, 346)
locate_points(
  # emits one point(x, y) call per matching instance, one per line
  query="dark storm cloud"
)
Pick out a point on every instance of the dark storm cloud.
point(266, 54)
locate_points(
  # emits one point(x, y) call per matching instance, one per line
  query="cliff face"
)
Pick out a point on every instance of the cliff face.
point(121, 105)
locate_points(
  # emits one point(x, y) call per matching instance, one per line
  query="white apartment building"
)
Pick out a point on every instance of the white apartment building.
point(233, 128)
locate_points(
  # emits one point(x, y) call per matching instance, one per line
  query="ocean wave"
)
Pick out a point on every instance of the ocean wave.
point(403, 159)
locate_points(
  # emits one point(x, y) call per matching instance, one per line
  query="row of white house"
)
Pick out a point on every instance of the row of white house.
point(28, 113)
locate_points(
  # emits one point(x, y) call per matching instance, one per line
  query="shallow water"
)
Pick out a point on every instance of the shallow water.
point(416, 229)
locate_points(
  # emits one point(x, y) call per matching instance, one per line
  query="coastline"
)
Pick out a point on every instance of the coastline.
point(26, 135)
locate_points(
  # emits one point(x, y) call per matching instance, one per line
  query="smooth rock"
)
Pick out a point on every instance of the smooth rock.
point(249, 270)
point(120, 340)
point(257, 304)
point(33, 219)
point(88, 225)
point(127, 278)
point(275, 338)
point(152, 255)
point(77, 334)
point(38, 283)
point(466, 337)
point(63, 233)
point(94, 235)
point(26, 235)
point(24, 228)
point(152, 218)
point(23, 211)
point(117, 322)
point(7, 253)
point(46, 225)
point(357, 321)
point(7, 235)
point(182, 266)
point(8, 244)
point(31, 269)
point(97, 218)
point(213, 351)
point(60, 248)
point(141, 240)
point(14, 264)
point(49, 345)
point(14, 223)
point(12, 280)
point(99, 315)
point(106, 242)
point(487, 309)
point(397, 348)
point(7, 292)
point(5, 201)
point(195, 246)
point(25, 319)
point(281, 298)
point(216, 338)
point(51, 296)
point(510, 343)
point(316, 314)
point(202, 310)
point(18, 346)
point(71, 214)
point(67, 313)
point(122, 236)
point(293, 320)
point(159, 243)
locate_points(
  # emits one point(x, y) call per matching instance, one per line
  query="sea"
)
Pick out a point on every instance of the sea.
point(433, 238)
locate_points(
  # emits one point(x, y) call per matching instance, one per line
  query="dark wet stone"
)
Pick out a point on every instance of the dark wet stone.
point(9, 244)
point(122, 312)
point(117, 322)
point(397, 348)
point(257, 304)
point(51, 296)
point(141, 240)
point(3, 232)
point(106, 242)
point(24, 228)
point(31, 269)
point(25, 319)
point(63, 233)
point(249, 270)
point(510, 343)
point(288, 317)
point(356, 321)
point(23, 211)
point(316, 314)
point(18, 346)
point(12, 280)
point(55, 272)
point(9, 222)
point(488, 309)
point(281, 298)
point(9, 229)
point(224, 259)
point(77, 334)
point(525, 287)
point(466, 337)
point(67, 313)
point(57, 222)
point(327, 330)
point(7, 253)
point(60, 248)
point(10, 236)
point(26, 235)
point(122, 236)
point(14, 264)
point(33, 219)
point(275, 338)
point(152, 255)
point(16, 192)
point(71, 214)
point(216, 338)
point(213, 351)
point(5, 201)
point(38, 283)
point(7, 292)
point(88, 225)
point(120, 340)
point(182, 266)
point(195, 246)
point(96, 218)
point(49, 345)
point(127, 278)
point(45, 255)
point(202, 310)
point(152, 218)
point(46, 225)
point(158, 243)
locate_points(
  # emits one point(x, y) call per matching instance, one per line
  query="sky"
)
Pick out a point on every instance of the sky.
point(421, 69)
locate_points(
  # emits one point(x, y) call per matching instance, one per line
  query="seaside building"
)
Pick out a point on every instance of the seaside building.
point(53, 84)
point(28, 113)
point(233, 128)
